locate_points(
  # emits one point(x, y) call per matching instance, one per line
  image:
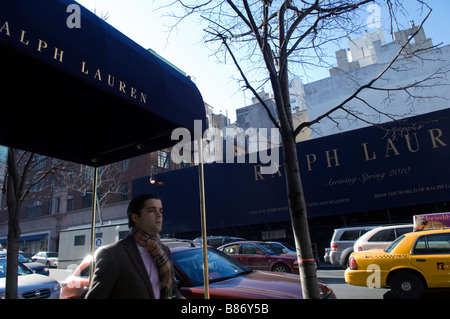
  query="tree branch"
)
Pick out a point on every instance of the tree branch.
point(369, 85)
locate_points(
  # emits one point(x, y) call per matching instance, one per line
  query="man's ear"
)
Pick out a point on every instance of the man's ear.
point(135, 217)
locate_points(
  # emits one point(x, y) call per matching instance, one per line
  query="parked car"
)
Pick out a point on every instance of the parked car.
point(30, 285)
point(37, 268)
point(49, 258)
point(228, 279)
point(342, 243)
point(412, 263)
point(289, 249)
point(381, 237)
point(259, 255)
point(217, 241)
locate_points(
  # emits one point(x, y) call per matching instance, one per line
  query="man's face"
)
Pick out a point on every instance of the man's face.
point(151, 218)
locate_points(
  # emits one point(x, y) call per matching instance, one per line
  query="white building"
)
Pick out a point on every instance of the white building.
point(366, 58)
point(254, 116)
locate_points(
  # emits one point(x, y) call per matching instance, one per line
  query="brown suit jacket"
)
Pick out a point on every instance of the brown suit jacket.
point(120, 273)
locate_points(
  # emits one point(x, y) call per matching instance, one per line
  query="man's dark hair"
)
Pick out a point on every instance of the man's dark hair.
point(137, 204)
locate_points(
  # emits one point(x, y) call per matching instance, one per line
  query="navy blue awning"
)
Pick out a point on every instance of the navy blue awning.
point(88, 95)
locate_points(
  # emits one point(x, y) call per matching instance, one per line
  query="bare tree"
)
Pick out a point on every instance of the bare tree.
point(78, 178)
point(269, 40)
point(25, 171)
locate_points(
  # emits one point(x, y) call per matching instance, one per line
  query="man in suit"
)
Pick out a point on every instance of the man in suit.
point(139, 266)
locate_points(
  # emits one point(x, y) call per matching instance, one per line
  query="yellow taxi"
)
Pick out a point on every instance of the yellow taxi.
point(412, 263)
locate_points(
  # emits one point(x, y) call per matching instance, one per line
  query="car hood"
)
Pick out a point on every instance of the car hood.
point(257, 284)
point(34, 265)
point(30, 282)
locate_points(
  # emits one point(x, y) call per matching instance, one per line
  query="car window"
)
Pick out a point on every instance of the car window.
point(220, 266)
point(248, 249)
point(85, 272)
point(2, 268)
point(23, 259)
point(22, 270)
point(350, 235)
point(421, 246)
point(439, 243)
point(231, 250)
point(432, 244)
point(401, 231)
point(215, 242)
point(394, 244)
point(273, 249)
point(383, 235)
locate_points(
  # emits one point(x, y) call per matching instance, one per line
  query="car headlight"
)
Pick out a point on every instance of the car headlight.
point(56, 287)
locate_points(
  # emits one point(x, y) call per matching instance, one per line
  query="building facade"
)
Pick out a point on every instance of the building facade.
point(417, 83)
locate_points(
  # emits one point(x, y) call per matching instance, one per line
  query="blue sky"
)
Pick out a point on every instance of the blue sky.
point(139, 20)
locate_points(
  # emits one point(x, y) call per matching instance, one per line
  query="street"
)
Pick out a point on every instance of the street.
point(335, 279)
point(331, 276)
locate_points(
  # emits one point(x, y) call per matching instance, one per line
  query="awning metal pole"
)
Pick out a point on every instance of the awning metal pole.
point(94, 207)
point(203, 220)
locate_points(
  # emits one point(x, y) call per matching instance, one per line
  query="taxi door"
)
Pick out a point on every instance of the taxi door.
point(431, 254)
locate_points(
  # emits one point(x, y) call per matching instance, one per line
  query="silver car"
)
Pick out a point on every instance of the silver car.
point(30, 285)
point(342, 243)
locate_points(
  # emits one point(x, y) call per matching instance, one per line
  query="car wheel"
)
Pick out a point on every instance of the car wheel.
point(281, 268)
point(406, 285)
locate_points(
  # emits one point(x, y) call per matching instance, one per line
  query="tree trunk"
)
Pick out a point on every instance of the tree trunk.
point(12, 261)
point(299, 219)
point(12, 255)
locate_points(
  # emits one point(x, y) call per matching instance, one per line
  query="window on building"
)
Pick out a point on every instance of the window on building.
point(163, 159)
point(70, 203)
point(37, 185)
point(38, 163)
point(124, 191)
point(125, 165)
point(79, 240)
point(50, 206)
point(86, 199)
point(34, 209)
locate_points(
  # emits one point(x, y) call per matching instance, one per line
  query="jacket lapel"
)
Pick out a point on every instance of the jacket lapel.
point(136, 259)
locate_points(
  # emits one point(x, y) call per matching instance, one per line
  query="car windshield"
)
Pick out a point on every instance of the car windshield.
point(52, 255)
point(24, 259)
point(394, 244)
point(22, 269)
point(220, 266)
